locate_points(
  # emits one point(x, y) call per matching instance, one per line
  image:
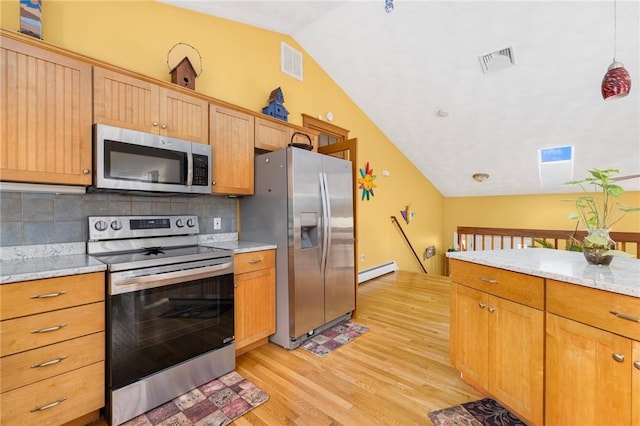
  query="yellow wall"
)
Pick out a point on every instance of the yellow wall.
point(241, 66)
point(525, 211)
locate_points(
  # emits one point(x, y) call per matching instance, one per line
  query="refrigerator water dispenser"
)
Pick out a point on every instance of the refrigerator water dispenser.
point(308, 230)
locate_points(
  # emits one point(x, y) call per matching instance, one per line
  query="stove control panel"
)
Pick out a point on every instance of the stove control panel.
point(118, 227)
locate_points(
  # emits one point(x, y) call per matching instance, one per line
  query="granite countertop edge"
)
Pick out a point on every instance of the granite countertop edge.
point(26, 263)
point(35, 268)
point(622, 276)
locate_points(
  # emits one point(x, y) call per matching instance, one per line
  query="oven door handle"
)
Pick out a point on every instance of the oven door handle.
point(126, 282)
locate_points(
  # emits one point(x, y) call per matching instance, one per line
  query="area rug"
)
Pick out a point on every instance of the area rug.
point(216, 403)
point(485, 412)
point(332, 338)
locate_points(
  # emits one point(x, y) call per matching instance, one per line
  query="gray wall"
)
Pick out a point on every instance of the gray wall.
point(43, 218)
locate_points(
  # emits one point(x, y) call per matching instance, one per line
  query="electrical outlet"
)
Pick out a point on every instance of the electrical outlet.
point(217, 223)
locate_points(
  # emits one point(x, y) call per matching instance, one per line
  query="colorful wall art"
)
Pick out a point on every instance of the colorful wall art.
point(407, 213)
point(31, 17)
point(366, 183)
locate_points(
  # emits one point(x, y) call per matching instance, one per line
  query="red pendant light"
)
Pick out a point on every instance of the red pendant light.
point(617, 81)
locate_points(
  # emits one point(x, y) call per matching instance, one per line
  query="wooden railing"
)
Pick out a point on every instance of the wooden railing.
point(475, 238)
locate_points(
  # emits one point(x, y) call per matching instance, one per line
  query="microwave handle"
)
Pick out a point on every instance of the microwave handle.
point(190, 169)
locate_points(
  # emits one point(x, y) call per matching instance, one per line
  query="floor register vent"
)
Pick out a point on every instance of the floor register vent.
point(290, 61)
point(497, 60)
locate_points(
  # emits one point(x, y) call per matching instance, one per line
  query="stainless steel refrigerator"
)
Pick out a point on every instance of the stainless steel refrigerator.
point(303, 202)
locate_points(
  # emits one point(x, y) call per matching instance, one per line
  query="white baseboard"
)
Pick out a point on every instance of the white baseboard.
point(376, 271)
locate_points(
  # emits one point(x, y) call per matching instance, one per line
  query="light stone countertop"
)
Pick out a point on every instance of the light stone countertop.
point(241, 246)
point(621, 276)
point(25, 263)
point(26, 269)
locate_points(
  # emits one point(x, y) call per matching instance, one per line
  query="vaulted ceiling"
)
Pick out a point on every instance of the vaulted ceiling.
point(401, 68)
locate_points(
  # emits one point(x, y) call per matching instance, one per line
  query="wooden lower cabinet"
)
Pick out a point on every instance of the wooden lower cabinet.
point(586, 385)
point(592, 357)
point(52, 350)
point(255, 299)
point(499, 349)
point(56, 400)
point(497, 335)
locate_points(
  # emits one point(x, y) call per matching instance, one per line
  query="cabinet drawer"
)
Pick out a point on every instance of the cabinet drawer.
point(593, 307)
point(39, 364)
point(20, 334)
point(514, 286)
point(76, 393)
point(34, 297)
point(253, 261)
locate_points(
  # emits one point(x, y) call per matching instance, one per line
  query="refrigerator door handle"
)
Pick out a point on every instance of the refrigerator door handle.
point(326, 214)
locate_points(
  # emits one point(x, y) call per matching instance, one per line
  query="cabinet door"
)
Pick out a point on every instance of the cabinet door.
point(635, 384)
point(183, 116)
point(232, 145)
point(585, 384)
point(45, 99)
point(472, 335)
point(516, 342)
point(271, 136)
point(255, 314)
point(123, 101)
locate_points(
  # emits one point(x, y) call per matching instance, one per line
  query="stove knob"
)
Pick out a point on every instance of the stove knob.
point(116, 225)
point(191, 223)
point(101, 225)
point(179, 223)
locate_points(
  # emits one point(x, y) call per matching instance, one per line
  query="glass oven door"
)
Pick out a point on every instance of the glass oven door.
point(156, 328)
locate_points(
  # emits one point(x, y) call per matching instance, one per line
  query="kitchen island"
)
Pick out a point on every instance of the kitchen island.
point(551, 337)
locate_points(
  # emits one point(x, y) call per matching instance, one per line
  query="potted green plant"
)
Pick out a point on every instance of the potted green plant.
point(598, 211)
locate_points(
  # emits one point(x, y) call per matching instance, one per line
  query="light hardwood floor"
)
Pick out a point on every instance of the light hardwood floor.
point(392, 375)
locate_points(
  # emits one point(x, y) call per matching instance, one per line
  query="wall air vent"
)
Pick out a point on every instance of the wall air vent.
point(290, 61)
point(497, 60)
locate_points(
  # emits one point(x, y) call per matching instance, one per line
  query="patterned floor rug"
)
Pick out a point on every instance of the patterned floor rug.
point(324, 343)
point(485, 412)
point(216, 403)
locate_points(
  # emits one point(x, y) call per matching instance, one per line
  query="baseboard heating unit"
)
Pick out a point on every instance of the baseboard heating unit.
point(376, 271)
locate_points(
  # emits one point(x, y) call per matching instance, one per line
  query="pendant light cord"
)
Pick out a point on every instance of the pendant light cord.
point(615, 28)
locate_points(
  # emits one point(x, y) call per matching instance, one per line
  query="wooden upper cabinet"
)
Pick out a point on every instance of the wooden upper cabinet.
point(231, 139)
point(124, 101)
point(45, 107)
point(271, 136)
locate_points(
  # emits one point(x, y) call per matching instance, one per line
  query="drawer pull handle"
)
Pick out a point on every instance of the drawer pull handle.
point(50, 405)
point(636, 364)
point(50, 362)
point(618, 357)
point(489, 280)
point(48, 295)
point(481, 305)
point(491, 309)
point(48, 329)
point(254, 261)
point(624, 316)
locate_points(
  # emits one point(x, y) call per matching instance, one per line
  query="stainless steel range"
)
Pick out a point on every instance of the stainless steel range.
point(170, 309)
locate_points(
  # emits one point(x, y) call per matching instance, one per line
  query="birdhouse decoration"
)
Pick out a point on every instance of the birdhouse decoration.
point(184, 74)
point(276, 108)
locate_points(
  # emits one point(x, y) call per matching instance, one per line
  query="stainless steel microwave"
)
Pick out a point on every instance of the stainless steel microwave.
point(128, 160)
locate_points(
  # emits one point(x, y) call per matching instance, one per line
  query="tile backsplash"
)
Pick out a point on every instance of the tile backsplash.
point(28, 218)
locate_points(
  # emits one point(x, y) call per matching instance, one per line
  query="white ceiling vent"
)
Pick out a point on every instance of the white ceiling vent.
point(290, 61)
point(497, 60)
